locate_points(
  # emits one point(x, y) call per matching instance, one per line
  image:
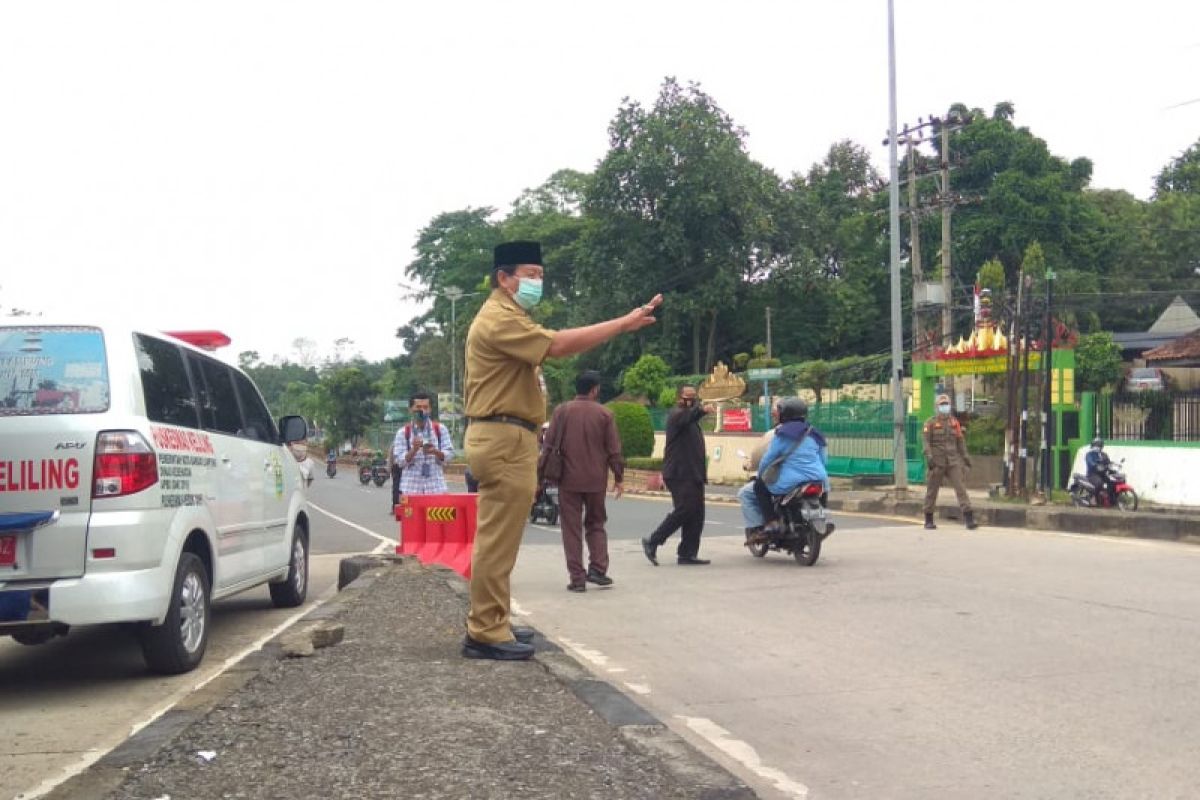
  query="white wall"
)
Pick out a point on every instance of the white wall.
point(1164, 475)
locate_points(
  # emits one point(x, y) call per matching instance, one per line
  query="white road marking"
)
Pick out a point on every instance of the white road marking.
point(586, 653)
point(544, 528)
point(638, 688)
point(744, 754)
point(175, 697)
point(356, 526)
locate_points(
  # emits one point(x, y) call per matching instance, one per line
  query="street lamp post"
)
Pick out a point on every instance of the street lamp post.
point(454, 294)
point(900, 456)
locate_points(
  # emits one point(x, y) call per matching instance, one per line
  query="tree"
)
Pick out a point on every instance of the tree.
point(815, 375)
point(646, 378)
point(352, 403)
point(634, 429)
point(1097, 361)
point(991, 276)
point(248, 358)
point(679, 207)
point(1182, 175)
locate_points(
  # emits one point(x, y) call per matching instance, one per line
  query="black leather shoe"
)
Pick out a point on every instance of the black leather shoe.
point(504, 651)
point(599, 578)
point(524, 635)
point(692, 561)
point(651, 550)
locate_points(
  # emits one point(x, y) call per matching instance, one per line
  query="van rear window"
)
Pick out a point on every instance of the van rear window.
point(52, 370)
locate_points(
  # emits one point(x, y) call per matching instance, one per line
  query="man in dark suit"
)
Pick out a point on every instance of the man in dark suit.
point(685, 471)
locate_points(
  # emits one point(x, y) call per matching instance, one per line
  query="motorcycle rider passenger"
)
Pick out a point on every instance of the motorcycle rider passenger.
point(797, 454)
point(1098, 464)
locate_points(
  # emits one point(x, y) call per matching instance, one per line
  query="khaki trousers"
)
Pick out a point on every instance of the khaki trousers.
point(933, 482)
point(503, 458)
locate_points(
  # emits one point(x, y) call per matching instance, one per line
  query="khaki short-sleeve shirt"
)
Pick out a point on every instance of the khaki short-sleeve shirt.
point(505, 349)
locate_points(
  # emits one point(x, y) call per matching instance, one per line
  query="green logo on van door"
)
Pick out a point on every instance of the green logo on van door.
point(277, 468)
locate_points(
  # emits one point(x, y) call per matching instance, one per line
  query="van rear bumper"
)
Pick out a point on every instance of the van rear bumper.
point(94, 599)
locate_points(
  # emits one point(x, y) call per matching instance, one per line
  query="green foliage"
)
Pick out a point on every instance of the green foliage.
point(352, 403)
point(666, 398)
point(1097, 361)
point(1033, 263)
point(991, 276)
point(560, 375)
point(650, 464)
point(634, 428)
point(985, 436)
point(646, 378)
point(740, 359)
point(814, 375)
point(1182, 175)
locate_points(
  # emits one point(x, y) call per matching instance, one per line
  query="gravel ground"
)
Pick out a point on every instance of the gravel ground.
point(395, 711)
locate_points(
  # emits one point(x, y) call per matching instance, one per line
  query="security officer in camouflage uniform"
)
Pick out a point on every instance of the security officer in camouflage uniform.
point(505, 405)
point(945, 458)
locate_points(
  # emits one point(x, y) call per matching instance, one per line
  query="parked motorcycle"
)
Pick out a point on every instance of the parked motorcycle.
point(803, 525)
point(1119, 493)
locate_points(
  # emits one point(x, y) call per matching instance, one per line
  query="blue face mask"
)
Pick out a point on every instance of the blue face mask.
point(529, 292)
point(418, 417)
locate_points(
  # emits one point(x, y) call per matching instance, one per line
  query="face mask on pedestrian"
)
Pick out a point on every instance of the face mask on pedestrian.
point(418, 416)
point(943, 408)
point(529, 292)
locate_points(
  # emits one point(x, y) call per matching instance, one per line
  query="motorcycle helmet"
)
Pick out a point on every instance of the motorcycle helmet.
point(792, 408)
point(1098, 443)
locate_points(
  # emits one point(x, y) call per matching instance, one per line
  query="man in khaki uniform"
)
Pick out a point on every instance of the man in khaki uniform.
point(505, 405)
point(945, 457)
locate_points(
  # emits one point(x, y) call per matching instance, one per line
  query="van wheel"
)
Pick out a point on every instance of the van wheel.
point(291, 592)
point(178, 644)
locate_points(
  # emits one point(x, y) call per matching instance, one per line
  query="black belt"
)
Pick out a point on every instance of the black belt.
point(523, 423)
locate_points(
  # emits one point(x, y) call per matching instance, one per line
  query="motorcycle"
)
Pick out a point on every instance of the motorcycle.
point(1119, 493)
point(364, 474)
point(803, 525)
point(380, 474)
point(545, 505)
point(331, 468)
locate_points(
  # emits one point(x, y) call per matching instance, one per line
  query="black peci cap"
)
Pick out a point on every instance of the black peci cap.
point(512, 254)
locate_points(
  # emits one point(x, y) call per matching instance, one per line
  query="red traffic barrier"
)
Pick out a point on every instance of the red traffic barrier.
point(412, 528)
point(439, 529)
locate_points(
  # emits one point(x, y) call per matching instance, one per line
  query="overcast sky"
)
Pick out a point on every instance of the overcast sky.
point(264, 167)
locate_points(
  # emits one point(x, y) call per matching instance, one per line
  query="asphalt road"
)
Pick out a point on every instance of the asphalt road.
point(66, 703)
point(905, 664)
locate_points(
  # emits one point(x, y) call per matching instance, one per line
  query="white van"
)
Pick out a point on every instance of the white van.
point(140, 479)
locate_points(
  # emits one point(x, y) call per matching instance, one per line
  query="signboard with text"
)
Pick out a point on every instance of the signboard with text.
point(735, 419)
point(765, 374)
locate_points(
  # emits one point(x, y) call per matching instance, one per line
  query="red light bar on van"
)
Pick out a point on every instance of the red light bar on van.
point(205, 340)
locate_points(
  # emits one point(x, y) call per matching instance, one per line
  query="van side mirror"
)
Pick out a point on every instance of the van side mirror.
point(293, 429)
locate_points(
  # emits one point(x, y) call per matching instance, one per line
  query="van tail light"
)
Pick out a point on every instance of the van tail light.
point(125, 464)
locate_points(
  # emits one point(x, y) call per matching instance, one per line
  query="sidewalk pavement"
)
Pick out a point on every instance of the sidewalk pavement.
point(394, 710)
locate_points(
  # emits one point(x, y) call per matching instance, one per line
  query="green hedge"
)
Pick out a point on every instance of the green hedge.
point(634, 428)
point(651, 464)
point(985, 436)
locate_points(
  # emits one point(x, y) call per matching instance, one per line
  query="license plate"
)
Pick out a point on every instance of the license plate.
point(8, 551)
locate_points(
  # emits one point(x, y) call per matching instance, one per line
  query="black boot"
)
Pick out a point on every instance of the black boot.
point(929, 525)
point(969, 517)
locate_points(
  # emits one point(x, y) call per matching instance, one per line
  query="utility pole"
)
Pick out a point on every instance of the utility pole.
point(1048, 432)
point(1024, 450)
point(914, 227)
point(1014, 360)
point(947, 204)
point(899, 452)
point(768, 332)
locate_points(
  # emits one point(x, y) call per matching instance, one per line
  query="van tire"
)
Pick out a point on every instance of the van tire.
point(178, 644)
point(292, 591)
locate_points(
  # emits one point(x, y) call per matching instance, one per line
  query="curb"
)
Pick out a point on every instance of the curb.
point(1163, 526)
point(699, 774)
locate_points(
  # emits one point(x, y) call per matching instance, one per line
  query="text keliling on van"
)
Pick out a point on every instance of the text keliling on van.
point(45, 475)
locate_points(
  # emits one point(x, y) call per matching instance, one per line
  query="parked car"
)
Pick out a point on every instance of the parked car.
point(140, 479)
point(1145, 379)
